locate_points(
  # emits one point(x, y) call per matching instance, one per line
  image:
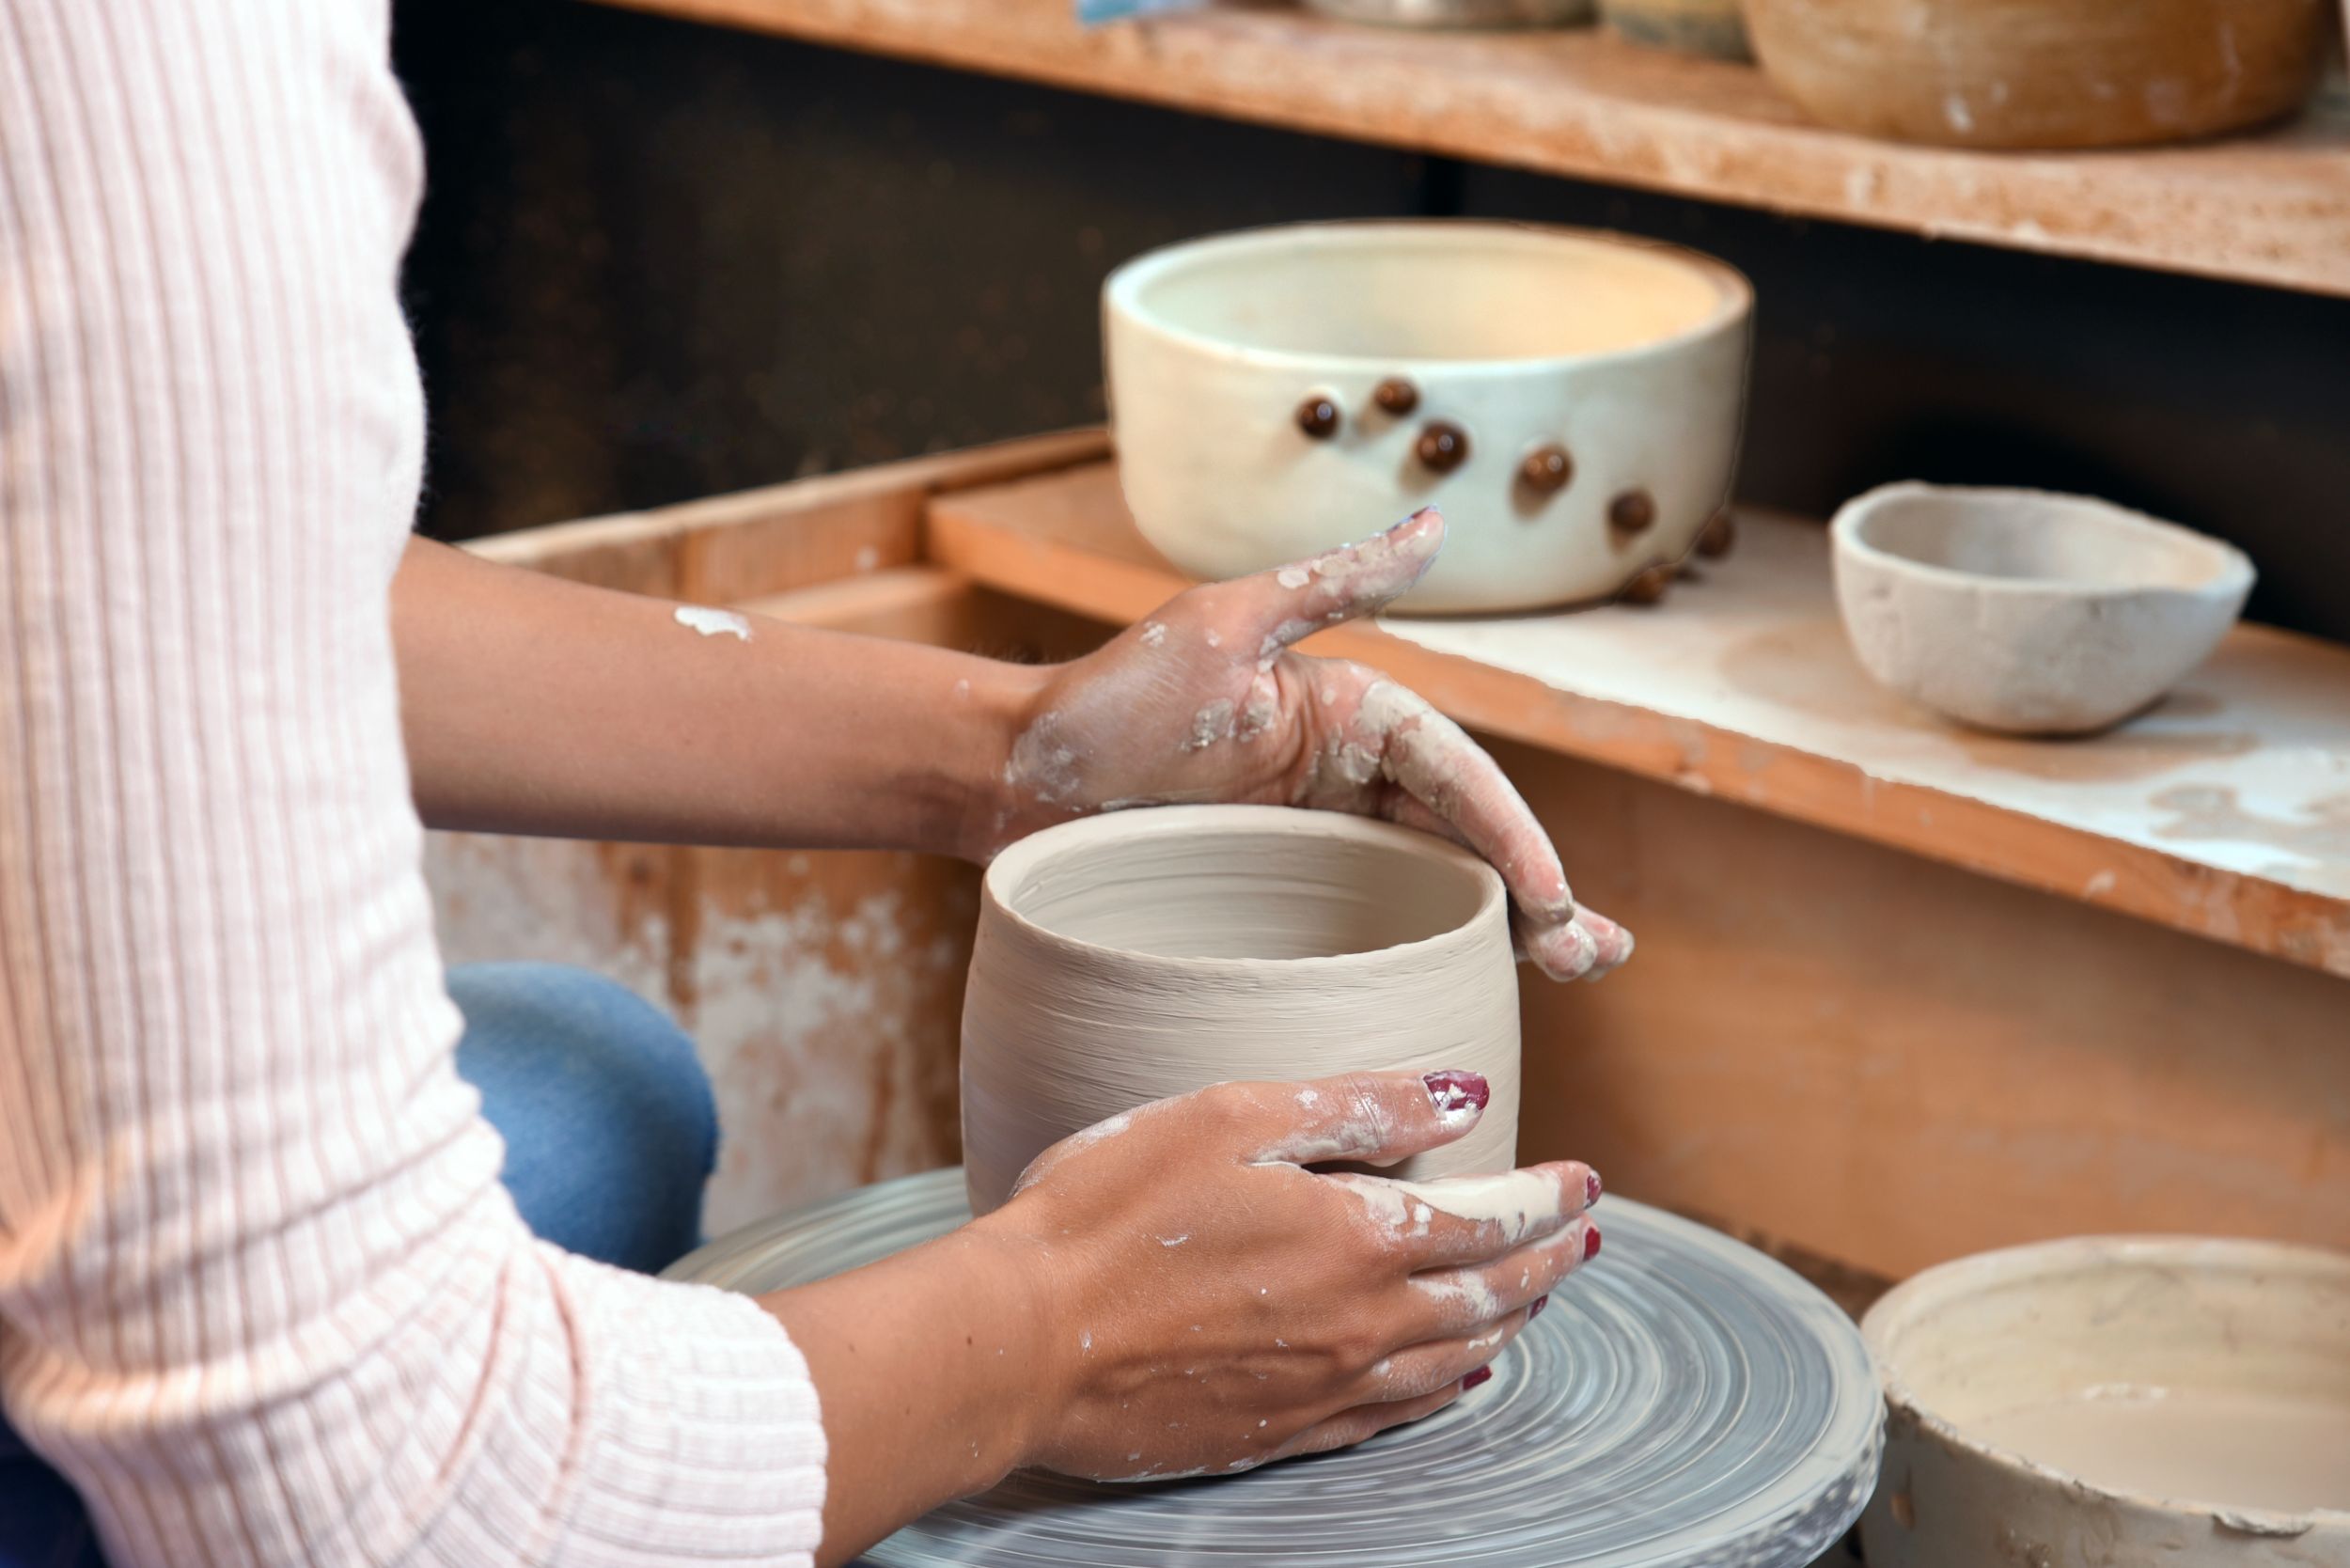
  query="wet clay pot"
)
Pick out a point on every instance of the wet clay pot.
point(2116, 1399)
point(2041, 73)
point(1571, 400)
point(1139, 954)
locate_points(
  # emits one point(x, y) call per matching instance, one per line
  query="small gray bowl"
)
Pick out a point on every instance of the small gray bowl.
point(2028, 612)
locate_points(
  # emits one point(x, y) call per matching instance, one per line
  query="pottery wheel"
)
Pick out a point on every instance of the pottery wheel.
point(1685, 1403)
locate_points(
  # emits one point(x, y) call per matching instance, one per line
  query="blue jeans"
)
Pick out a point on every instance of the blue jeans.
point(610, 1134)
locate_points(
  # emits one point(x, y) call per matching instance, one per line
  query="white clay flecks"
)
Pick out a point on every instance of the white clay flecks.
point(1214, 640)
point(1154, 633)
point(1085, 1340)
point(1175, 1241)
point(1042, 763)
point(1075, 1143)
point(1521, 1203)
point(1210, 725)
point(1293, 577)
point(1258, 717)
point(712, 623)
point(1309, 1097)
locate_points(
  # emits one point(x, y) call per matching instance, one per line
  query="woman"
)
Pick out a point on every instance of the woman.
point(263, 1297)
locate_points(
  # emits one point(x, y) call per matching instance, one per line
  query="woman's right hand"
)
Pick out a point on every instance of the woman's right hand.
point(1210, 1304)
point(1172, 1293)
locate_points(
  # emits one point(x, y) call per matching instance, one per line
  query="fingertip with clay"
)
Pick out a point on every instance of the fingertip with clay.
point(1592, 1188)
point(1460, 1097)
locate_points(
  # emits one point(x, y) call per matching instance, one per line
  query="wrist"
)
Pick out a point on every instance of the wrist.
point(1001, 701)
point(1041, 1350)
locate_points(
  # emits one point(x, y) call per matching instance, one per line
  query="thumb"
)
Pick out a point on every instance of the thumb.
point(1373, 1118)
point(1289, 602)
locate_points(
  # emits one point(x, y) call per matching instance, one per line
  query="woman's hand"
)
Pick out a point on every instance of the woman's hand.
point(1171, 1292)
point(1210, 1305)
point(1204, 700)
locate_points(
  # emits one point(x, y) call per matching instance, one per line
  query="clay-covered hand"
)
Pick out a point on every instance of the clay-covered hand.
point(1205, 701)
point(1208, 1305)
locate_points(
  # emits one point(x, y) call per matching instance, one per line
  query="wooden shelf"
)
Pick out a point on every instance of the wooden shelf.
point(2225, 812)
point(2270, 208)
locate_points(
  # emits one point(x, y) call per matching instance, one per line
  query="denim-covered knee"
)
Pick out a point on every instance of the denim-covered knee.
point(610, 1124)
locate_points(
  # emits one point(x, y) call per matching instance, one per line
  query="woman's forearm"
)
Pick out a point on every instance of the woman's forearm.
point(534, 705)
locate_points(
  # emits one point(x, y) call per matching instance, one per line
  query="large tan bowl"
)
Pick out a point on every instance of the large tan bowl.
point(2116, 1401)
point(2026, 612)
point(1132, 956)
point(2041, 73)
point(1627, 359)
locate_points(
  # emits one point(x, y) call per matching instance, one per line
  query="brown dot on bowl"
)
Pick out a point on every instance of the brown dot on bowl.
point(1546, 470)
point(1318, 416)
point(1396, 395)
point(1631, 512)
point(1649, 587)
point(1443, 445)
point(1720, 534)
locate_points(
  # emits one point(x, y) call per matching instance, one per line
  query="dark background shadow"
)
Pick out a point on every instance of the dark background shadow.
point(659, 260)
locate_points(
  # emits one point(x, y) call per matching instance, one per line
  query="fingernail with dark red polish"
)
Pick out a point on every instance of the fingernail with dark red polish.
point(1591, 1189)
point(1483, 1374)
point(1536, 1310)
point(1590, 1244)
point(1457, 1093)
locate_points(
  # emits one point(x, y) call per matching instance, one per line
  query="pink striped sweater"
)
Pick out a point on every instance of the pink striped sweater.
point(261, 1295)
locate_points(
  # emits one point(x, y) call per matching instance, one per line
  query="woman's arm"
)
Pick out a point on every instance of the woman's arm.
point(535, 705)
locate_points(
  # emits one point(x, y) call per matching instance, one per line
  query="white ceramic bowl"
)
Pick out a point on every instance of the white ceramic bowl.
point(1627, 358)
point(1134, 955)
point(2116, 1399)
point(2028, 612)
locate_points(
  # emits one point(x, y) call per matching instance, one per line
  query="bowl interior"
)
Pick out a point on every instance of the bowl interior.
point(1398, 293)
point(2205, 1373)
point(1247, 888)
point(2027, 536)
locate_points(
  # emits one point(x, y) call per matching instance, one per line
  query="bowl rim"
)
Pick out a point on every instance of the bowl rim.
point(1913, 1298)
point(2235, 577)
point(1121, 291)
point(1003, 875)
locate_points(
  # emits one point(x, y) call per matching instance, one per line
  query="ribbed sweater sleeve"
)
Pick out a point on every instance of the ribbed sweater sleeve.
point(262, 1296)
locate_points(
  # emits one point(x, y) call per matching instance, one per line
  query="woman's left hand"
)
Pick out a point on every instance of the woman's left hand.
point(1205, 701)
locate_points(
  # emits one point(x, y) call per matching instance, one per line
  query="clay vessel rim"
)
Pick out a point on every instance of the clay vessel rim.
point(1122, 291)
point(2231, 570)
point(1914, 1301)
point(1008, 870)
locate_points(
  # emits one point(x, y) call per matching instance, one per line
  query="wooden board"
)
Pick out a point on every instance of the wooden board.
point(2226, 812)
point(2271, 209)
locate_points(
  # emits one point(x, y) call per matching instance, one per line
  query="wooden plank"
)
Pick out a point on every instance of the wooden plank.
point(2272, 208)
point(1894, 1062)
point(780, 537)
point(2226, 812)
point(912, 603)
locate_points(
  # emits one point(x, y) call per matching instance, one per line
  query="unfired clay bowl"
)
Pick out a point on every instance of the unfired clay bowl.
point(2116, 1399)
point(1571, 399)
point(1131, 956)
point(2026, 612)
point(2041, 73)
